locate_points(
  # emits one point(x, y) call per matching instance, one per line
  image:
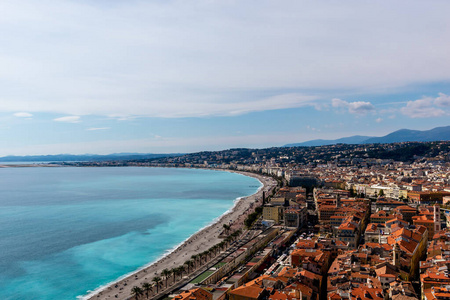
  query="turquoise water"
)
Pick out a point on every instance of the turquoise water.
point(65, 231)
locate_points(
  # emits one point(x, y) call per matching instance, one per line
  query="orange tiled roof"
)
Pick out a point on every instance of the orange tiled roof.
point(194, 294)
point(364, 292)
point(311, 275)
point(248, 291)
point(277, 295)
point(288, 272)
point(298, 286)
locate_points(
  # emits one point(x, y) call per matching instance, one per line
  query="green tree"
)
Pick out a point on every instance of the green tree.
point(222, 245)
point(182, 269)
point(166, 273)
point(189, 264)
point(147, 288)
point(216, 248)
point(201, 256)
point(236, 234)
point(227, 228)
point(157, 281)
point(175, 271)
point(251, 219)
point(205, 255)
point(227, 240)
point(194, 258)
point(136, 292)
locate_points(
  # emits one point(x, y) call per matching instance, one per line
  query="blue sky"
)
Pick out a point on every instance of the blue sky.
point(183, 76)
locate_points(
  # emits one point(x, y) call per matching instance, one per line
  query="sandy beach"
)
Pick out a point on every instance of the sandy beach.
point(197, 243)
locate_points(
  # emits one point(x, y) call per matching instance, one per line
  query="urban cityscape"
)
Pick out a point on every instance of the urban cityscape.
point(224, 150)
point(339, 222)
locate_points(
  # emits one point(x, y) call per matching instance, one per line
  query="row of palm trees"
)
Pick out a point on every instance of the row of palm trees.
point(146, 287)
point(189, 266)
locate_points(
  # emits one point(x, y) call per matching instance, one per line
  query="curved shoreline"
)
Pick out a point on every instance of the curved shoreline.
point(198, 242)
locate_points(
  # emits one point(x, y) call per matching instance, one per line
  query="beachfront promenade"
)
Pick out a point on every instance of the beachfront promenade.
point(194, 246)
point(245, 238)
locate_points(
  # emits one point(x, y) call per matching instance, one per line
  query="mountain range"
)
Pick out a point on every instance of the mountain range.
point(402, 135)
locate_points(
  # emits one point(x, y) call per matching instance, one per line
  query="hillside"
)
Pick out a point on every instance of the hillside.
point(402, 135)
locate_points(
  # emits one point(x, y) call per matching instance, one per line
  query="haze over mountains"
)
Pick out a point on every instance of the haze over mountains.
point(85, 157)
point(402, 135)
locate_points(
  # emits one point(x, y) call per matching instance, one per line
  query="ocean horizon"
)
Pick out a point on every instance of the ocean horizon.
point(68, 231)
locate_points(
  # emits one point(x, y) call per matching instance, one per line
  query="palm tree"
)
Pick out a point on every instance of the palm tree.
point(147, 287)
point(221, 245)
point(194, 258)
point(192, 265)
point(202, 255)
point(227, 240)
point(208, 253)
point(227, 228)
point(136, 291)
point(182, 269)
point(166, 273)
point(156, 280)
point(189, 264)
point(175, 272)
point(234, 235)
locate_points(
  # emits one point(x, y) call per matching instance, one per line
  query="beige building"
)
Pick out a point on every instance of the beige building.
point(274, 213)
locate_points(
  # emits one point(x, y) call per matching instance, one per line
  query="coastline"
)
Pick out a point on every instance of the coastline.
point(197, 243)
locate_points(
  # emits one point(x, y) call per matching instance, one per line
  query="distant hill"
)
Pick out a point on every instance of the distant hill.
point(86, 157)
point(402, 135)
point(356, 139)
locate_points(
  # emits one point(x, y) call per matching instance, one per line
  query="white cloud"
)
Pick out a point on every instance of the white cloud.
point(98, 128)
point(22, 115)
point(68, 119)
point(338, 103)
point(312, 128)
point(379, 120)
point(357, 107)
point(443, 100)
point(321, 106)
point(177, 59)
point(422, 108)
point(360, 107)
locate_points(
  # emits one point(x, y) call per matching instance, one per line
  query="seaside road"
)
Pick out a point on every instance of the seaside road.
point(248, 236)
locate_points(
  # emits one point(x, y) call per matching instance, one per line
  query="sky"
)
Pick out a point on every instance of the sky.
point(111, 76)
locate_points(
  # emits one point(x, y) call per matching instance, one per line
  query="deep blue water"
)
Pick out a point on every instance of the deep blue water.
point(64, 231)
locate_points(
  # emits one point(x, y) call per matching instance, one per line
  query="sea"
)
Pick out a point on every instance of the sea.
point(66, 231)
